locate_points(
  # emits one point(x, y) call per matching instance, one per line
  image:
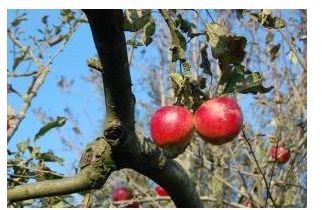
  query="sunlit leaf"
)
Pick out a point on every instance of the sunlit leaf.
point(49, 157)
point(293, 58)
point(253, 84)
point(267, 20)
point(214, 31)
point(148, 31)
point(134, 43)
point(22, 146)
point(67, 15)
point(58, 122)
point(134, 20)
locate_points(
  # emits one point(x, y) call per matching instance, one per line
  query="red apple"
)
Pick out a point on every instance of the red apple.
point(249, 204)
point(121, 194)
point(218, 120)
point(160, 191)
point(280, 153)
point(171, 127)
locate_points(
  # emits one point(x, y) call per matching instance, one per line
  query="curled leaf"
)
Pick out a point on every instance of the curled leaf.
point(58, 122)
point(148, 31)
point(205, 63)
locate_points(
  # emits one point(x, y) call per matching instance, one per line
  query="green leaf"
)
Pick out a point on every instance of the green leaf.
point(19, 19)
point(184, 25)
point(58, 122)
point(237, 75)
point(253, 84)
point(49, 157)
point(237, 79)
point(134, 20)
point(186, 90)
point(274, 51)
point(134, 43)
point(293, 58)
point(22, 146)
point(20, 58)
point(182, 40)
point(230, 49)
point(265, 19)
point(148, 31)
point(205, 63)
point(179, 47)
point(44, 19)
point(177, 80)
point(67, 15)
point(214, 31)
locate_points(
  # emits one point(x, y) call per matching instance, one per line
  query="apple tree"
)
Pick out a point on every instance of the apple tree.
point(202, 108)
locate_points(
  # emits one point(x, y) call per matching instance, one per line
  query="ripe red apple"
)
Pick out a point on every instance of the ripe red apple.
point(171, 127)
point(122, 194)
point(249, 204)
point(218, 120)
point(280, 153)
point(160, 191)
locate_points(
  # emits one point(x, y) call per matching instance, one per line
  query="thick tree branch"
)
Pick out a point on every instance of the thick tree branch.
point(140, 155)
point(109, 38)
point(95, 167)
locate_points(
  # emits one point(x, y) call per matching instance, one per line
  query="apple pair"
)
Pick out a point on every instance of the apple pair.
point(217, 121)
point(123, 194)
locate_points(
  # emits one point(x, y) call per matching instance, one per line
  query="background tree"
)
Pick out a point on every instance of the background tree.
point(175, 56)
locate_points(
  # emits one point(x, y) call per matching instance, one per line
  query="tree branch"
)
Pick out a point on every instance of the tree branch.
point(109, 38)
point(136, 153)
point(120, 147)
point(95, 168)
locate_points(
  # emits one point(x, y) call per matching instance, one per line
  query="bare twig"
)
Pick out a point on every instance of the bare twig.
point(296, 53)
point(258, 166)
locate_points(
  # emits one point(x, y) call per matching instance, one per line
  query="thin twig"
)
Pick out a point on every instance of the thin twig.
point(272, 173)
point(210, 16)
point(25, 74)
point(299, 58)
point(259, 168)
